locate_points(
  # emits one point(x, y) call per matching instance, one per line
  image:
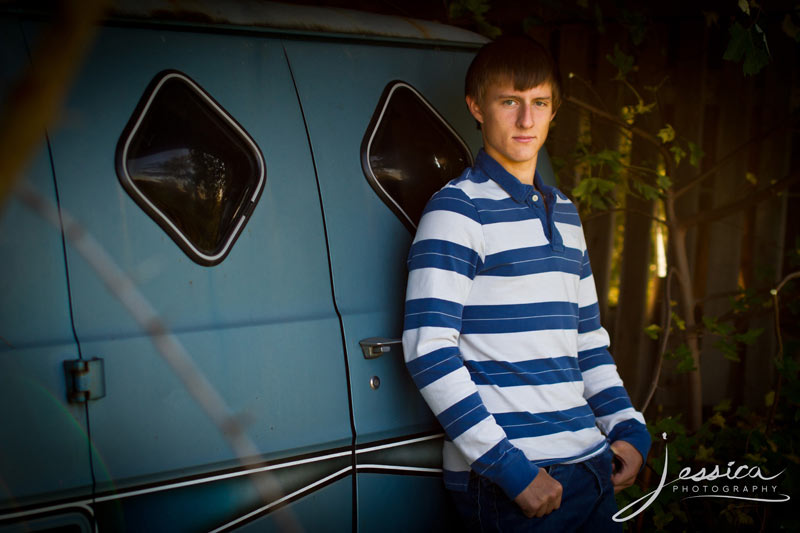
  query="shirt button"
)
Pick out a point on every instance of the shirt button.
point(535, 197)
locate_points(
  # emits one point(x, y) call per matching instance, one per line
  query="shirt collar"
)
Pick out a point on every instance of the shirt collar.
point(516, 189)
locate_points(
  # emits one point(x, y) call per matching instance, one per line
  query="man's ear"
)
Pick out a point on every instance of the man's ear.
point(474, 108)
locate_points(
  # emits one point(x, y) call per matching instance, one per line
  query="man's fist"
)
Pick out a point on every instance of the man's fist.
point(541, 497)
point(630, 461)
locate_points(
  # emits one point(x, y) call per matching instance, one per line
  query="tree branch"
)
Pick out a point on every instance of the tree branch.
point(741, 203)
point(33, 103)
point(166, 343)
point(662, 349)
point(730, 155)
point(616, 120)
point(779, 357)
point(598, 214)
point(590, 88)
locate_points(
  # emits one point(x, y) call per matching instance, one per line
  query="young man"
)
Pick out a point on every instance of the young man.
point(502, 332)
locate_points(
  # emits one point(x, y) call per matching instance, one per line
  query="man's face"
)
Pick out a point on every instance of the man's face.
point(514, 123)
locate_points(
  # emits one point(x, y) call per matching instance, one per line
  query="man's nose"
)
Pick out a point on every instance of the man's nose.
point(525, 116)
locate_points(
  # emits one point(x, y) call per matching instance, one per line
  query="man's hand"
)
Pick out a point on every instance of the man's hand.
point(630, 461)
point(541, 497)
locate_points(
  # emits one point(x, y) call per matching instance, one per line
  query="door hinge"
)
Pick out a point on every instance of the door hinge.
point(86, 380)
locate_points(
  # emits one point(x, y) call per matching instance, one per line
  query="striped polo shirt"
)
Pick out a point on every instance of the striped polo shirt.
point(502, 332)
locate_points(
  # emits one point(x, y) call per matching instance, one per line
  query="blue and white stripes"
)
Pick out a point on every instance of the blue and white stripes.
point(502, 332)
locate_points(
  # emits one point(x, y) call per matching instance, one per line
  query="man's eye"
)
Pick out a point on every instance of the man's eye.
point(509, 102)
point(542, 103)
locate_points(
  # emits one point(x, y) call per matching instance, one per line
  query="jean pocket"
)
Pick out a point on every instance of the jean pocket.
point(561, 473)
point(601, 467)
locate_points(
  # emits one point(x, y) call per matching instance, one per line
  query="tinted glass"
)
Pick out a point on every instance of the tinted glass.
point(190, 166)
point(409, 152)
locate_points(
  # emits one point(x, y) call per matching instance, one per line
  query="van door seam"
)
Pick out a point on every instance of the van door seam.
point(333, 292)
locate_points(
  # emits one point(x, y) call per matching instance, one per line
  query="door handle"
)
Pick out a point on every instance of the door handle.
point(374, 347)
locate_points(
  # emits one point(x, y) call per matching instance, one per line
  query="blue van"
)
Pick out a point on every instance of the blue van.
point(256, 170)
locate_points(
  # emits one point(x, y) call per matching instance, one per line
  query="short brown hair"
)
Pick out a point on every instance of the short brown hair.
point(520, 59)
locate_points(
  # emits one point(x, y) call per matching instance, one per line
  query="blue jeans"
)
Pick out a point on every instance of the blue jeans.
point(587, 502)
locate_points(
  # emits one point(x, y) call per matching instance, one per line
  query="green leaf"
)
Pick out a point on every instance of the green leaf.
point(610, 158)
point(769, 398)
point(489, 30)
point(683, 355)
point(711, 325)
point(598, 15)
point(669, 425)
point(717, 420)
point(750, 336)
point(593, 192)
point(679, 322)
point(642, 108)
point(666, 134)
point(663, 181)
point(646, 191)
point(652, 331)
point(724, 405)
point(462, 8)
point(728, 349)
point(662, 519)
point(722, 329)
point(628, 113)
point(695, 154)
point(706, 454)
point(678, 153)
point(622, 61)
point(636, 23)
point(475, 10)
point(589, 186)
point(738, 44)
point(750, 45)
point(685, 366)
point(744, 5)
point(755, 458)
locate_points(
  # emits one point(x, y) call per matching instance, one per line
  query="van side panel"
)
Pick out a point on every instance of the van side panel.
point(311, 513)
point(260, 326)
point(340, 85)
point(45, 450)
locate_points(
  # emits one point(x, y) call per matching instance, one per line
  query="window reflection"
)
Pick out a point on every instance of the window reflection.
point(411, 152)
point(192, 167)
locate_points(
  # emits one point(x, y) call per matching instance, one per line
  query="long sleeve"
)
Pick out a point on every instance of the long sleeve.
point(603, 388)
point(447, 252)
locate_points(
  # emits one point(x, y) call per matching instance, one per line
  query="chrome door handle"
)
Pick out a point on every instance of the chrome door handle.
point(377, 346)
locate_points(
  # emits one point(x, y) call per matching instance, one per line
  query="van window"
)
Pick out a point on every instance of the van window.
point(410, 151)
point(190, 166)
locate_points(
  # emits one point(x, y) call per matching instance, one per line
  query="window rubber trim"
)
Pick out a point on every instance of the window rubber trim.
point(366, 145)
point(151, 209)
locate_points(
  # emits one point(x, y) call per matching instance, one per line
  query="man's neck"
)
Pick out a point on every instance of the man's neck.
point(523, 171)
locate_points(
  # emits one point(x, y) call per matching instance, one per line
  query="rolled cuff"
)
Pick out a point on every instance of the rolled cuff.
point(507, 467)
point(634, 433)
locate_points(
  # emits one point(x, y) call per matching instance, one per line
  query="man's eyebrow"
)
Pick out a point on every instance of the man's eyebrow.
point(516, 96)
